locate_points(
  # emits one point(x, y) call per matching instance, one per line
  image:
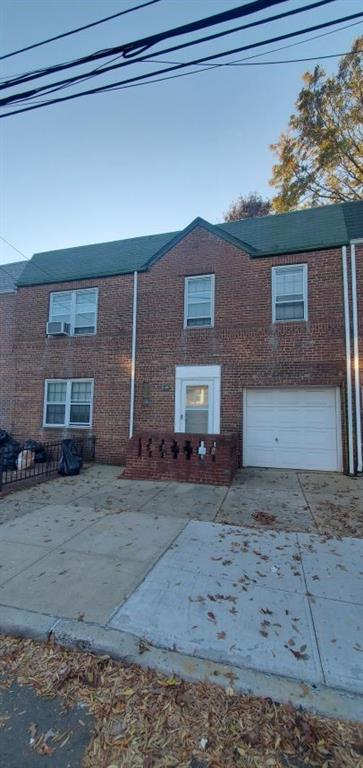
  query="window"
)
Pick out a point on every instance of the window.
point(289, 293)
point(78, 308)
point(68, 403)
point(199, 301)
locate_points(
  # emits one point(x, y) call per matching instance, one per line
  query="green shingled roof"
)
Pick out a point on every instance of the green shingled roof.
point(9, 274)
point(309, 229)
point(98, 260)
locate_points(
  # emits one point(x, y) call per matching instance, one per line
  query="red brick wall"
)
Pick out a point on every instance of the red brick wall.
point(250, 348)
point(174, 456)
point(7, 362)
point(104, 357)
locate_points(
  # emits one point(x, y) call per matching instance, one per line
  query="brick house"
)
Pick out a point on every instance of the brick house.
point(247, 328)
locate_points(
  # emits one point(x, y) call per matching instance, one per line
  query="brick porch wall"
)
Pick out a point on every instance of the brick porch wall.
point(175, 456)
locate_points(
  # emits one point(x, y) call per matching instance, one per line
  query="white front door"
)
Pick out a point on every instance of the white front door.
point(197, 399)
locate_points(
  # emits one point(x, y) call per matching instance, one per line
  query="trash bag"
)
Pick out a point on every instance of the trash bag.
point(4, 437)
point(40, 452)
point(70, 461)
point(25, 460)
point(9, 454)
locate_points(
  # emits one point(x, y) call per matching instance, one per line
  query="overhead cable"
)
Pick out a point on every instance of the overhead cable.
point(182, 65)
point(51, 87)
point(139, 46)
point(78, 29)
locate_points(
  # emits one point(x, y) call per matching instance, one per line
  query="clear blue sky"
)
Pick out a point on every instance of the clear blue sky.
point(148, 159)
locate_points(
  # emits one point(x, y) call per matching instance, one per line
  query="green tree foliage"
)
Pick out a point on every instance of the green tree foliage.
point(247, 207)
point(320, 157)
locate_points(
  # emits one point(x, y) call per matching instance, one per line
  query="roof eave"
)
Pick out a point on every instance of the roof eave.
point(306, 249)
point(78, 279)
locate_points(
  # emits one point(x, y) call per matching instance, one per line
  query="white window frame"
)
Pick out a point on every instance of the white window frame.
point(67, 424)
point(187, 280)
point(73, 309)
point(283, 268)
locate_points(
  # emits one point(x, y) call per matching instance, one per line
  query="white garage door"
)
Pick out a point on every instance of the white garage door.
point(292, 428)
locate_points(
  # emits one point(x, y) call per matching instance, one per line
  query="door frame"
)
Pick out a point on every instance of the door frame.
point(338, 419)
point(197, 374)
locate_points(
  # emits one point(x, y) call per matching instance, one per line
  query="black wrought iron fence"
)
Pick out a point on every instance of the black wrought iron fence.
point(42, 466)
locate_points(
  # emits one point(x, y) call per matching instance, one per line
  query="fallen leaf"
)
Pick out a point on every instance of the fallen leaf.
point(265, 518)
point(298, 655)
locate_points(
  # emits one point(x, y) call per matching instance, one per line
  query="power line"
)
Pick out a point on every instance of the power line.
point(27, 258)
point(78, 29)
point(139, 46)
point(296, 43)
point(60, 84)
point(182, 65)
point(13, 247)
point(235, 64)
point(230, 63)
point(294, 61)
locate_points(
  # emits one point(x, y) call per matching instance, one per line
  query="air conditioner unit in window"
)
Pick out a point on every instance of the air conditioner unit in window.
point(55, 328)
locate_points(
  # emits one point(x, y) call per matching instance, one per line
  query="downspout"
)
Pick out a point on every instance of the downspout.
point(133, 359)
point(348, 360)
point(356, 356)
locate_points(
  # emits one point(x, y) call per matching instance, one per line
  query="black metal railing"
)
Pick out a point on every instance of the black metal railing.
point(41, 470)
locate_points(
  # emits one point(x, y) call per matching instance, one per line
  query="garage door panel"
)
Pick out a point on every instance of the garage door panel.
point(295, 438)
point(285, 459)
point(276, 418)
point(295, 429)
point(292, 396)
point(307, 417)
point(261, 418)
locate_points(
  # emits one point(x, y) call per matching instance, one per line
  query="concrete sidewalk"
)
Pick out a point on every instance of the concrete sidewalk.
point(284, 604)
point(121, 567)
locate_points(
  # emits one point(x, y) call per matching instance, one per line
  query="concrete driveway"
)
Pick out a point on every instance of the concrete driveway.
point(318, 502)
point(117, 566)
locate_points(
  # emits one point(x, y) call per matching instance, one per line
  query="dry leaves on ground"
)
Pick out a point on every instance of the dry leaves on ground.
point(146, 720)
point(265, 518)
point(340, 519)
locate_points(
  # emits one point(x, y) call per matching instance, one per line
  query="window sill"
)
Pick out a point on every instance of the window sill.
point(69, 335)
point(283, 322)
point(198, 327)
point(67, 426)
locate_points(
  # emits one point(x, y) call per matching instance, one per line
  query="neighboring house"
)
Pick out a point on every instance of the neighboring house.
point(242, 327)
point(9, 273)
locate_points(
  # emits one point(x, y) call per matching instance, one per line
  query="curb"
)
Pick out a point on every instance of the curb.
point(103, 640)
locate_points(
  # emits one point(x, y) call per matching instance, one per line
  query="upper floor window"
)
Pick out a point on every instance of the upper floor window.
point(76, 308)
point(290, 293)
point(68, 403)
point(199, 301)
